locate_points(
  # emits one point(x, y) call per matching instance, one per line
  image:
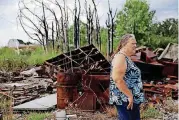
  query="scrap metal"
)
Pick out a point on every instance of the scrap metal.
point(82, 79)
point(91, 86)
point(91, 90)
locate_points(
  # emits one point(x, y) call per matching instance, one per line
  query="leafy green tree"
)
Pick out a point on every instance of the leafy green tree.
point(136, 18)
point(167, 28)
point(163, 33)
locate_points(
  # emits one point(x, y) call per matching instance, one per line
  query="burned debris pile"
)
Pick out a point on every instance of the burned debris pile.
point(81, 78)
point(27, 85)
point(84, 79)
point(159, 72)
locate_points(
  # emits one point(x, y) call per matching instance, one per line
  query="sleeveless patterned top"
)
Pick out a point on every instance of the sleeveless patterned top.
point(133, 81)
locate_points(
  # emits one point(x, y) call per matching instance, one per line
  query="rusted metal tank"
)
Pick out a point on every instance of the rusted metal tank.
point(66, 86)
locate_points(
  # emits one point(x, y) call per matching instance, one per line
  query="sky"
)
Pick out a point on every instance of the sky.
point(11, 29)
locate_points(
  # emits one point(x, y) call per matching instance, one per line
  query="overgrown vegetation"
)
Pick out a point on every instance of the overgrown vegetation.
point(12, 59)
point(6, 106)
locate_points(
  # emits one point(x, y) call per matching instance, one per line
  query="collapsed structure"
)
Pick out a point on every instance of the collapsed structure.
point(81, 78)
point(84, 78)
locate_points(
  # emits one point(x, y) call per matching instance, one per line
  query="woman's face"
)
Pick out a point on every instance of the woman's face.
point(131, 46)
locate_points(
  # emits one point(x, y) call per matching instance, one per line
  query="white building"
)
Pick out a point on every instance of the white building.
point(15, 43)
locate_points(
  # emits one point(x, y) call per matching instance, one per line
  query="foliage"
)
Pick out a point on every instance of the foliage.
point(134, 18)
point(10, 60)
point(158, 41)
point(167, 28)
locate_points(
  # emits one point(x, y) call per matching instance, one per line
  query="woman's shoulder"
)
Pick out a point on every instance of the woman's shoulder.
point(118, 58)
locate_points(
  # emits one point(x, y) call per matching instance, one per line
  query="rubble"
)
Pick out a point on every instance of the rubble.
point(27, 89)
point(92, 93)
point(83, 70)
point(170, 53)
point(81, 79)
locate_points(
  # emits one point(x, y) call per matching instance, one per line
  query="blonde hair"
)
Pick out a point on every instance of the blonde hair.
point(124, 40)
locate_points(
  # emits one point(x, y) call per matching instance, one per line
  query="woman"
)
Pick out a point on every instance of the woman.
point(126, 90)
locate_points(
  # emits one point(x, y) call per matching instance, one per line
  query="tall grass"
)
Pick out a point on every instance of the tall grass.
point(11, 59)
point(6, 106)
point(38, 56)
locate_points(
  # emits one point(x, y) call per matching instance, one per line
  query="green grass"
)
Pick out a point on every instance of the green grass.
point(10, 60)
point(39, 56)
point(150, 112)
point(37, 116)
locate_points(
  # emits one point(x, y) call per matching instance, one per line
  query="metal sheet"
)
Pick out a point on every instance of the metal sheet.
point(44, 103)
point(86, 102)
point(170, 52)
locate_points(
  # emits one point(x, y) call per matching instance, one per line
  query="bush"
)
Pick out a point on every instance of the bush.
point(157, 41)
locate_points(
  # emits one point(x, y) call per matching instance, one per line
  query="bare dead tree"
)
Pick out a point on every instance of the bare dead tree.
point(38, 34)
point(109, 36)
point(89, 25)
point(53, 41)
point(55, 30)
point(78, 20)
point(39, 29)
point(112, 28)
point(44, 21)
point(57, 35)
point(62, 23)
point(66, 26)
point(110, 25)
point(98, 35)
point(77, 25)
